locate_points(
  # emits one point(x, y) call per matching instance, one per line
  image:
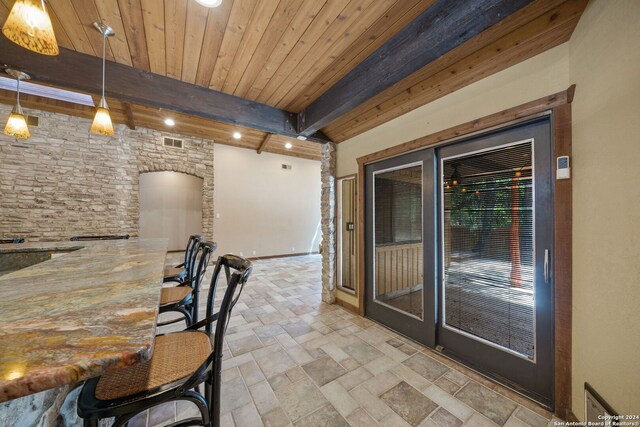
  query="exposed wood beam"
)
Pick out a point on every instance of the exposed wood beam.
point(532, 30)
point(131, 123)
point(56, 106)
point(188, 126)
point(439, 29)
point(264, 142)
point(468, 65)
point(82, 72)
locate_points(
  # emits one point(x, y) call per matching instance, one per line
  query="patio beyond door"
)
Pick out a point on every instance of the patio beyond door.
point(458, 252)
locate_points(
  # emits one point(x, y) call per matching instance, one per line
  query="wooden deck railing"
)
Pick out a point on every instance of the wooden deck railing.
point(398, 268)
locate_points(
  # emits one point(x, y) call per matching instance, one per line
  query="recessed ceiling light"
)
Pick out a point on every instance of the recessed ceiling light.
point(237, 135)
point(169, 122)
point(288, 145)
point(302, 137)
point(210, 3)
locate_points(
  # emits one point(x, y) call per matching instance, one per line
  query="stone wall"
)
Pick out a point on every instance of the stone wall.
point(64, 181)
point(328, 220)
point(50, 408)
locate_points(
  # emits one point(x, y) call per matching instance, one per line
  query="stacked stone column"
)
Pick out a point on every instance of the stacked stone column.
point(328, 220)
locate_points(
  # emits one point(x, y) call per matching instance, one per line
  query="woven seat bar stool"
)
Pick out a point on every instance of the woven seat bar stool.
point(183, 299)
point(180, 272)
point(12, 240)
point(100, 237)
point(181, 362)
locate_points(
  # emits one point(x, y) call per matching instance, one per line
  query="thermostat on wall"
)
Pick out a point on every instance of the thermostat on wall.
point(563, 169)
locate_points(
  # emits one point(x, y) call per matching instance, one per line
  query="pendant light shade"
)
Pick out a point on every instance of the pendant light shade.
point(29, 26)
point(102, 121)
point(17, 123)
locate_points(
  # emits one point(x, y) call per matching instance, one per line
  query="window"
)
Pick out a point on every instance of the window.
point(346, 233)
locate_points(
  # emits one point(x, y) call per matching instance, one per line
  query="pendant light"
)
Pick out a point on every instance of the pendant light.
point(17, 123)
point(102, 121)
point(29, 26)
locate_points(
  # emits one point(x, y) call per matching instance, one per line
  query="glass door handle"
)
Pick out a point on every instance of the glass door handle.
point(546, 266)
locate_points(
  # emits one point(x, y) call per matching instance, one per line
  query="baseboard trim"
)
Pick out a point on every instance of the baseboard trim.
point(352, 308)
point(567, 415)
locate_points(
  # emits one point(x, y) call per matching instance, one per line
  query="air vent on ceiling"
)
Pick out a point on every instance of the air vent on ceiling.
point(172, 142)
point(284, 166)
point(33, 121)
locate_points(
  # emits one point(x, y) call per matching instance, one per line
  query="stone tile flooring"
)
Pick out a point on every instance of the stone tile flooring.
point(292, 360)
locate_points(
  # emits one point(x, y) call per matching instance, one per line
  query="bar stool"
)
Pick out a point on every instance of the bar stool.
point(183, 299)
point(181, 362)
point(181, 271)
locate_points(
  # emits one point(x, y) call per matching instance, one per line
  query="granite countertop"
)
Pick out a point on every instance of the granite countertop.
point(76, 315)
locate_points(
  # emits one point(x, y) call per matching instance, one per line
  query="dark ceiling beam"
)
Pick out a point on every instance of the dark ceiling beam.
point(131, 123)
point(442, 27)
point(75, 70)
point(264, 143)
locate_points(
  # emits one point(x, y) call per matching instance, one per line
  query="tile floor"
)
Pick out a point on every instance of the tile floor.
point(292, 360)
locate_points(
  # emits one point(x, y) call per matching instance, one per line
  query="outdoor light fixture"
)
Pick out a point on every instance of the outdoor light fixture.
point(28, 25)
point(169, 122)
point(237, 135)
point(209, 3)
point(288, 145)
point(455, 176)
point(102, 121)
point(17, 123)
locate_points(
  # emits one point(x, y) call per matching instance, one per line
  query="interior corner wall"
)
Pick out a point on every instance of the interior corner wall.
point(605, 65)
point(262, 209)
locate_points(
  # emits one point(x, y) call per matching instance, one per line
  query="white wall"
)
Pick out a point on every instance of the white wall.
point(605, 65)
point(263, 208)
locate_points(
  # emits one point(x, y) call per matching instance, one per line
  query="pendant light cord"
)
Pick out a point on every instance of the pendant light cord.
point(18, 92)
point(104, 54)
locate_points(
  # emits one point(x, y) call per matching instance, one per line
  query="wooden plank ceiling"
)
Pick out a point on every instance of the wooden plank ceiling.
point(286, 53)
point(134, 115)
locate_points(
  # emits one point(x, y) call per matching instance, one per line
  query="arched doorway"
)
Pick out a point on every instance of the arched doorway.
point(170, 206)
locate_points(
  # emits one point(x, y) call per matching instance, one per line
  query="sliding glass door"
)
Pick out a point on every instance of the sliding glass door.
point(397, 227)
point(479, 279)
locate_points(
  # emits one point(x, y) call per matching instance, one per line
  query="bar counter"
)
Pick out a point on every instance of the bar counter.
point(91, 307)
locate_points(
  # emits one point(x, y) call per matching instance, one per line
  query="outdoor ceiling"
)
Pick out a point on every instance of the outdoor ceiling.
point(287, 53)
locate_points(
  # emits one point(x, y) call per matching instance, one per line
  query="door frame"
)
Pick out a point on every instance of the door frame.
point(558, 108)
